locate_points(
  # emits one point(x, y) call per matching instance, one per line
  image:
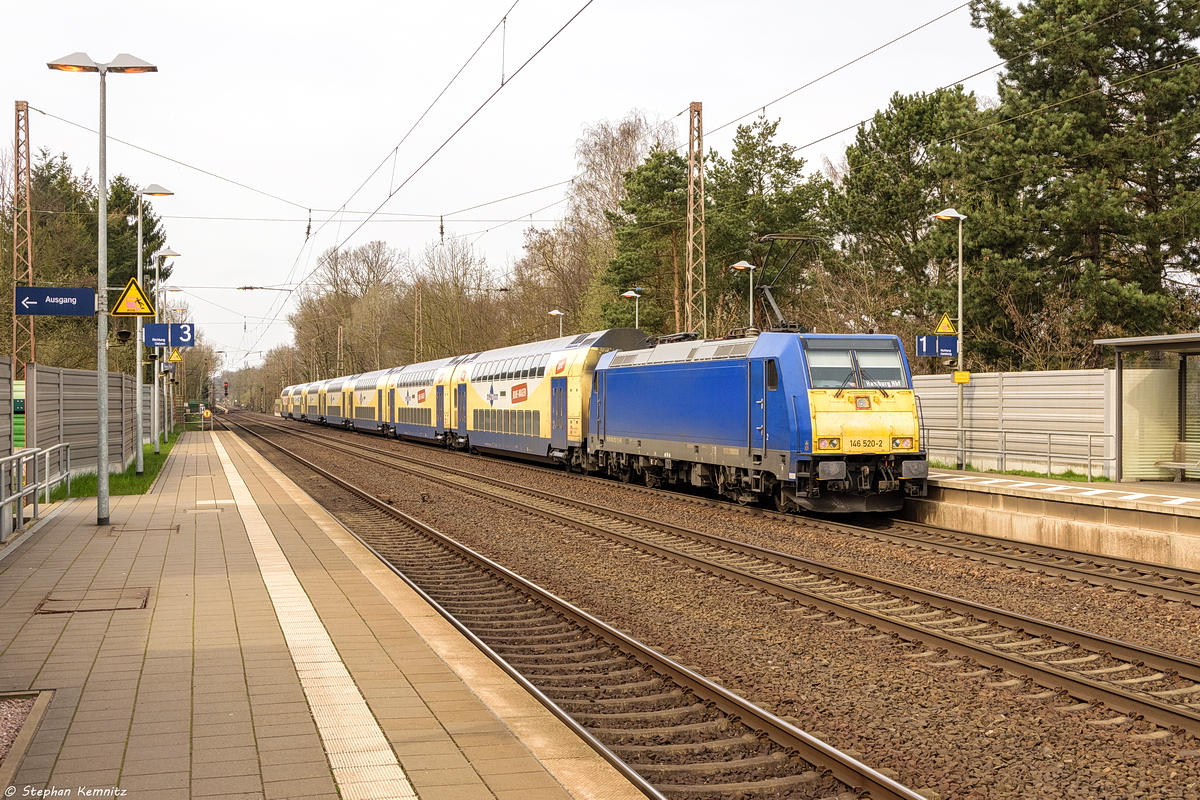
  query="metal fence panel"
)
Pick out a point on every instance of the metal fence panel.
point(1019, 420)
point(6, 407)
point(63, 404)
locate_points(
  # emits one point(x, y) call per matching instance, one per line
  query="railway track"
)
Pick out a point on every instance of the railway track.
point(1160, 581)
point(671, 731)
point(1135, 682)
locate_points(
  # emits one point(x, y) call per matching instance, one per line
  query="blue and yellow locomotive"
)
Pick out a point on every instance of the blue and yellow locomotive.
point(820, 422)
point(810, 421)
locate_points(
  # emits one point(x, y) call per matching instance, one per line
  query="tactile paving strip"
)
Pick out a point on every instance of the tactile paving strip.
point(363, 763)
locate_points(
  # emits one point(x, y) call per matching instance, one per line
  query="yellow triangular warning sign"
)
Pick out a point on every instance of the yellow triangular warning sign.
point(945, 326)
point(175, 357)
point(133, 302)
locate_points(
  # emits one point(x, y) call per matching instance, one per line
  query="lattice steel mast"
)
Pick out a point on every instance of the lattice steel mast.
point(22, 338)
point(697, 277)
point(418, 334)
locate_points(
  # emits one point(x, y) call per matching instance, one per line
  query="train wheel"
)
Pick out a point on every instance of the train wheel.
point(783, 503)
point(626, 475)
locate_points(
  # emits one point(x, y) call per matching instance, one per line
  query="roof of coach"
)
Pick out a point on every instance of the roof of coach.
point(761, 345)
point(368, 380)
point(611, 339)
point(422, 366)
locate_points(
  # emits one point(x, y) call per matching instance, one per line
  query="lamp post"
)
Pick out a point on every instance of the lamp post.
point(81, 62)
point(637, 320)
point(153, 190)
point(560, 315)
point(946, 214)
point(746, 266)
point(155, 427)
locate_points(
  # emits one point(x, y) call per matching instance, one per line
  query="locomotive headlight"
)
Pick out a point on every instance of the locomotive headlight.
point(862, 403)
point(828, 444)
point(902, 443)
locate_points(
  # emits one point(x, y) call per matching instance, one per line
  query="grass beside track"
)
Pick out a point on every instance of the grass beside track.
point(1069, 475)
point(126, 482)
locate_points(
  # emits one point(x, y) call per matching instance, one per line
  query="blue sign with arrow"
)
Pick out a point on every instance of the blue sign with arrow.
point(55, 301)
point(161, 334)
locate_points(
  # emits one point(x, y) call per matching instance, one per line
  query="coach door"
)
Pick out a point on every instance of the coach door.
point(599, 420)
point(441, 408)
point(758, 410)
point(391, 415)
point(558, 413)
point(462, 409)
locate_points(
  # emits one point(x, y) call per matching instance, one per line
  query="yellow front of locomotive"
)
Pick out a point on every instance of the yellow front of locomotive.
point(865, 422)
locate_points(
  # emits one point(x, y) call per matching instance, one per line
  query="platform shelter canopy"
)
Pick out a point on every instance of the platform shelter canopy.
point(1158, 413)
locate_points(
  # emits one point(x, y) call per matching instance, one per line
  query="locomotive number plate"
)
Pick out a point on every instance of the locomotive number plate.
point(866, 444)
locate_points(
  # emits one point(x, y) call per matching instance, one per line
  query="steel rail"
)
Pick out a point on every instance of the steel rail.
point(841, 766)
point(1144, 578)
point(1174, 716)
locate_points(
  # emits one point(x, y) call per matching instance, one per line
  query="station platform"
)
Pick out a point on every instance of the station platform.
point(1158, 522)
point(226, 637)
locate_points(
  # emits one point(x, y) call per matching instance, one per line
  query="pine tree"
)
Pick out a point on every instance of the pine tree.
point(1087, 184)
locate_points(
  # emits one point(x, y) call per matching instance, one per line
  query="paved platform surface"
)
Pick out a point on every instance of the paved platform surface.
point(1177, 498)
point(273, 657)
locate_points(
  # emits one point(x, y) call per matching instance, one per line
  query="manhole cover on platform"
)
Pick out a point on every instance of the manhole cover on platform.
point(67, 602)
point(118, 531)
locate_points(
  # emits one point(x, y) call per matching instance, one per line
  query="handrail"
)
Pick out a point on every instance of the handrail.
point(49, 481)
point(198, 417)
point(1002, 452)
point(19, 481)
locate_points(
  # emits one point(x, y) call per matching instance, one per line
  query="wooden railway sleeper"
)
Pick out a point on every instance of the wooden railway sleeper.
point(619, 702)
point(566, 692)
point(712, 767)
point(686, 748)
point(1147, 679)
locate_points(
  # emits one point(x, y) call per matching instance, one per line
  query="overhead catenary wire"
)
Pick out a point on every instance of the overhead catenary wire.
point(806, 85)
point(994, 123)
point(472, 116)
point(379, 213)
point(450, 138)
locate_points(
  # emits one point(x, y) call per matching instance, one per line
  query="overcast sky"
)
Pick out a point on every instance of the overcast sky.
point(262, 111)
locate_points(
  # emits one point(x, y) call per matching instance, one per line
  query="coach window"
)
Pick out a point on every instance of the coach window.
point(772, 375)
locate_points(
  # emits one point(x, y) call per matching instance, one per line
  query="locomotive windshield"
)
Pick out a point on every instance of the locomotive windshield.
point(855, 364)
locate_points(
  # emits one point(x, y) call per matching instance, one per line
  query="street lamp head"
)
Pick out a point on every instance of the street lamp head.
point(949, 213)
point(154, 190)
point(131, 64)
point(76, 62)
point(557, 313)
point(167, 253)
point(82, 62)
point(742, 266)
point(631, 294)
